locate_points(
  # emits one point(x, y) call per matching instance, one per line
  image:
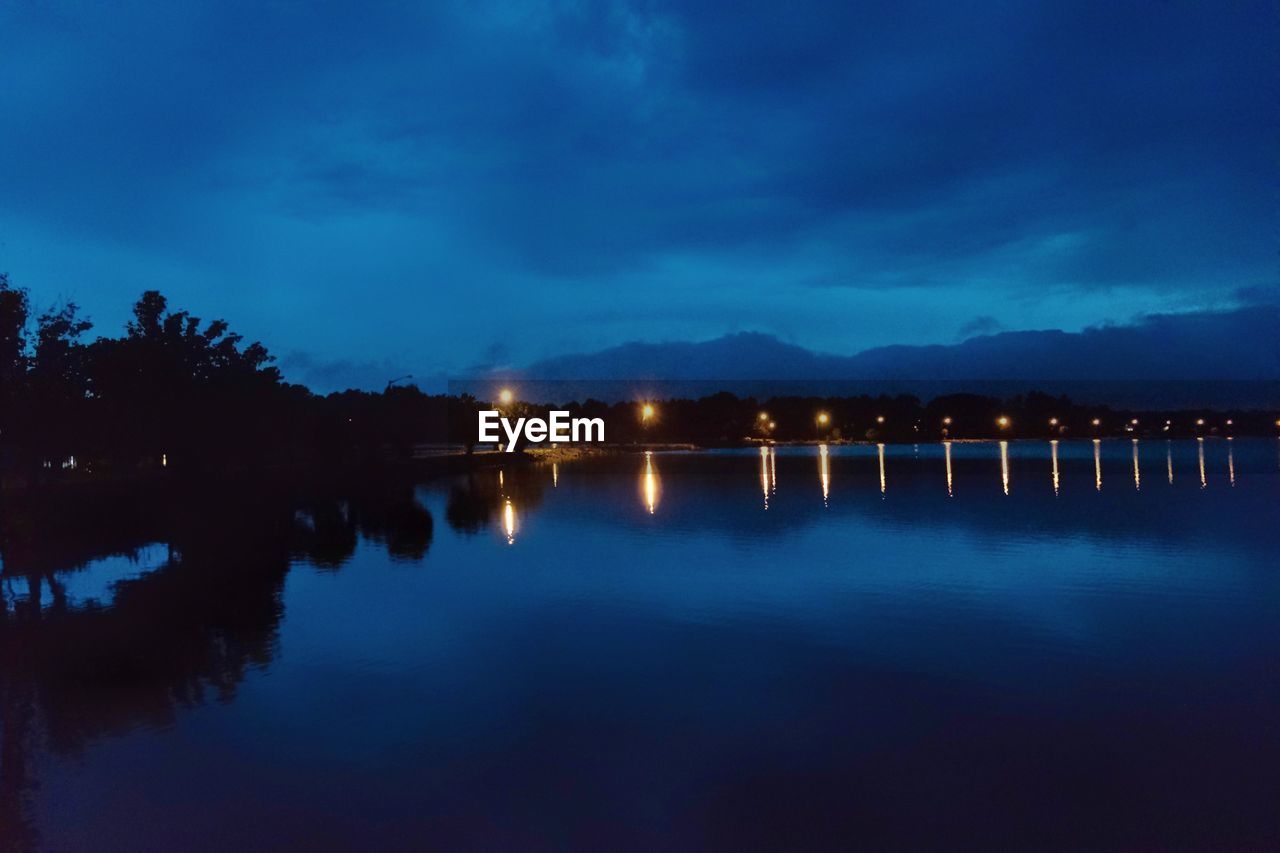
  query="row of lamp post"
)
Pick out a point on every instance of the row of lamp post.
point(822, 419)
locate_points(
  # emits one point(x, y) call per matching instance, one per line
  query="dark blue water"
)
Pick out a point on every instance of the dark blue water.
point(859, 648)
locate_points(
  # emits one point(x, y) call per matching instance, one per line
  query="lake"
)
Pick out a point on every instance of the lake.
point(1021, 646)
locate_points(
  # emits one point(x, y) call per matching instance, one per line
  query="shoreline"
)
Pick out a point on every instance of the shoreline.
point(14, 486)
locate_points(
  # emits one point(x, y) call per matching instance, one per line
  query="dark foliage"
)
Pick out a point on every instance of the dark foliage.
point(177, 392)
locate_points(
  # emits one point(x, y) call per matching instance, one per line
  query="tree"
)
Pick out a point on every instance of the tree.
point(57, 388)
point(15, 309)
point(59, 362)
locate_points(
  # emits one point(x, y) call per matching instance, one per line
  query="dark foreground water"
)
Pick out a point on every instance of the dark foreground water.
point(720, 651)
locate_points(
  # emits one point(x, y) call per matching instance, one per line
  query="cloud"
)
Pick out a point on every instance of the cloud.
point(379, 177)
point(984, 325)
point(1259, 294)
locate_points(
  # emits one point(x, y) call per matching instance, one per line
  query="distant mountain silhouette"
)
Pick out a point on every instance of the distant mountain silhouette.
point(1234, 345)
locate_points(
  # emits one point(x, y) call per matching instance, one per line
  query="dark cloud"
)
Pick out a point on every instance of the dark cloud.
point(984, 325)
point(372, 177)
point(1259, 294)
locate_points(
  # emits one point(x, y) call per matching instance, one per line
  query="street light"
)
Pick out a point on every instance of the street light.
point(823, 418)
point(1002, 422)
point(646, 412)
point(946, 421)
point(505, 396)
point(1053, 422)
point(391, 382)
point(879, 419)
point(762, 417)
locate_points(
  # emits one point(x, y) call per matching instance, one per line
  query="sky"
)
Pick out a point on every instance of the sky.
point(374, 189)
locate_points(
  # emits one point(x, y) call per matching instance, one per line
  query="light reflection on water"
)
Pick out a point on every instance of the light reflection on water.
point(947, 446)
point(509, 521)
point(1009, 455)
point(564, 657)
point(824, 473)
point(1054, 448)
point(880, 453)
point(650, 483)
point(1004, 466)
point(1097, 464)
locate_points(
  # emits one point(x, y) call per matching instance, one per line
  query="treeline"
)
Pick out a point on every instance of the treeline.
point(724, 419)
point(178, 392)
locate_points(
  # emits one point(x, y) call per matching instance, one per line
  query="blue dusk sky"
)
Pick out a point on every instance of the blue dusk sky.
point(378, 188)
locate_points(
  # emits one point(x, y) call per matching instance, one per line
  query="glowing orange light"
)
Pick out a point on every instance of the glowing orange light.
point(505, 396)
point(823, 418)
point(650, 483)
point(1002, 422)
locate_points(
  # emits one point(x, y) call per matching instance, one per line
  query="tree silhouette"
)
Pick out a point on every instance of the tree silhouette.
point(14, 311)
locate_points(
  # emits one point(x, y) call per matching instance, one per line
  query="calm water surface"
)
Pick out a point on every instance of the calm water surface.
point(1028, 647)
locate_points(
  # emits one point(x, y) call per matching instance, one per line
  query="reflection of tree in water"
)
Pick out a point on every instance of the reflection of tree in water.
point(394, 519)
point(190, 630)
point(329, 526)
point(477, 497)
